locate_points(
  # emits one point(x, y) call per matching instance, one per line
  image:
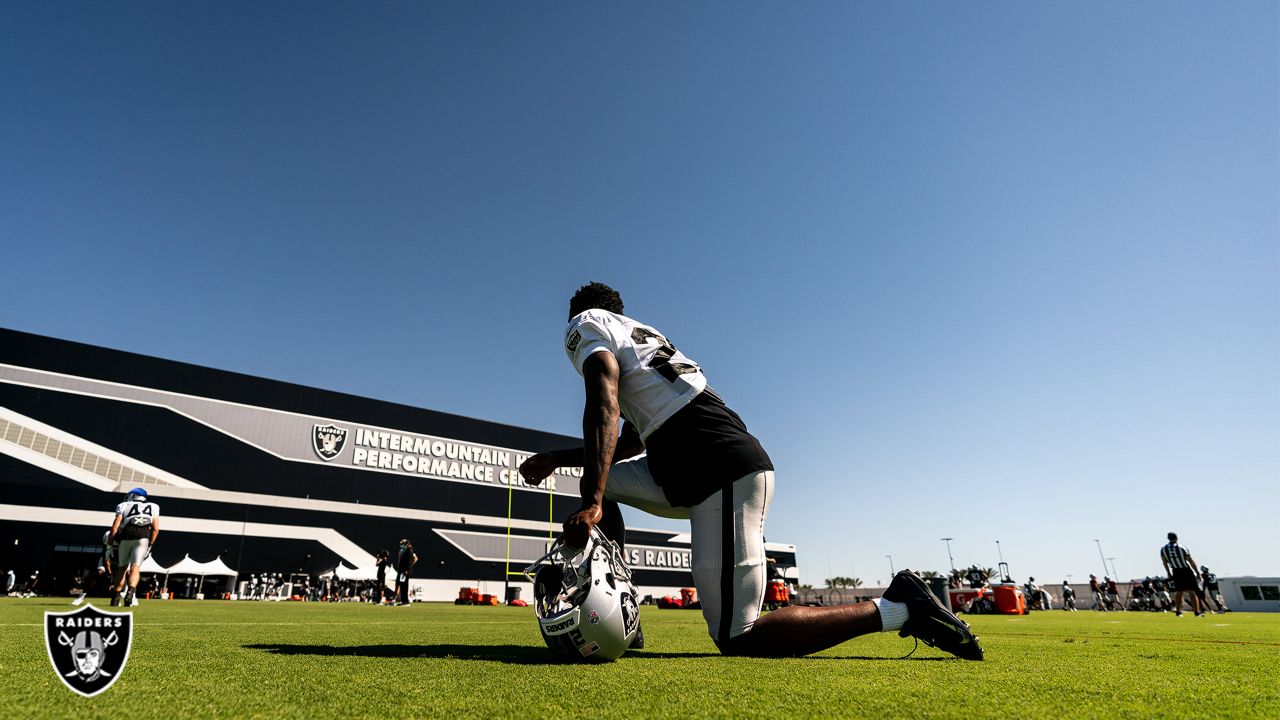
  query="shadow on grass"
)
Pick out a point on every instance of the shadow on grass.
point(641, 654)
point(513, 654)
point(510, 654)
point(912, 658)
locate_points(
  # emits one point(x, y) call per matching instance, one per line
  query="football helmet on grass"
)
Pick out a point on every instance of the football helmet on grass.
point(584, 600)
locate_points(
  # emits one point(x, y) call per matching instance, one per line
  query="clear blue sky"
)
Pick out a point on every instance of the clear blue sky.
point(987, 271)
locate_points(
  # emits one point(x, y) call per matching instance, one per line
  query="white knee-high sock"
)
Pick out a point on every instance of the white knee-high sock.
point(892, 614)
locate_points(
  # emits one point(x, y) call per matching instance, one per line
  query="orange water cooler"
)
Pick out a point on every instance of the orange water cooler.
point(1009, 600)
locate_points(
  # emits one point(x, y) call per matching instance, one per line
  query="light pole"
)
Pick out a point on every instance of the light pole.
point(891, 570)
point(1104, 558)
point(998, 551)
point(1115, 575)
point(950, 559)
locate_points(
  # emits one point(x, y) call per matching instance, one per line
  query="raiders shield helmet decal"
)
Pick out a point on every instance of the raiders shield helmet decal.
point(88, 647)
point(630, 613)
point(328, 440)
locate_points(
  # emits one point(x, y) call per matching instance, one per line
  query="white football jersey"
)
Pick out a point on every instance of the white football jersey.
point(656, 378)
point(136, 512)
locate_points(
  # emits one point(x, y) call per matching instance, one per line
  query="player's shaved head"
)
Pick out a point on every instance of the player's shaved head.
point(595, 296)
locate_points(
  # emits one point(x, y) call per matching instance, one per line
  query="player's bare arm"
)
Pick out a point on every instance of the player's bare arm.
point(537, 468)
point(115, 528)
point(155, 531)
point(600, 414)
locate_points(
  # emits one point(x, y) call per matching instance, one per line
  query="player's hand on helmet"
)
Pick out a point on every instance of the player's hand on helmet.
point(578, 527)
point(537, 467)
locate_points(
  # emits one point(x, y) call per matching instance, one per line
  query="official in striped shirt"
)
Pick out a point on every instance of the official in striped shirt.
point(1180, 567)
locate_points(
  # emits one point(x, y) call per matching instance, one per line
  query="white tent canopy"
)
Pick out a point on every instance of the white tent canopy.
point(186, 566)
point(149, 565)
point(342, 572)
point(215, 567)
point(345, 573)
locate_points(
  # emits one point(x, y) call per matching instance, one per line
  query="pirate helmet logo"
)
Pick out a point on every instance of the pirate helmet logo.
point(630, 613)
point(327, 440)
point(88, 647)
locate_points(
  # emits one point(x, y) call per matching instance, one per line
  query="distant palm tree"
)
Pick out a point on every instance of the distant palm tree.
point(854, 582)
point(988, 573)
point(930, 574)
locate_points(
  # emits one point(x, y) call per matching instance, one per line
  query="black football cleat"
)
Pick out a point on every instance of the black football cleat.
point(928, 621)
point(115, 600)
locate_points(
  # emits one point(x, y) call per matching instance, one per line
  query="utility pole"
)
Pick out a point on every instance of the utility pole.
point(891, 570)
point(1104, 557)
point(950, 559)
point(1114, 575)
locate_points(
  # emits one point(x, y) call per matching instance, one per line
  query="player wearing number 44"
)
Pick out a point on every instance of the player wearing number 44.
point(135, 529)
point(682, 453)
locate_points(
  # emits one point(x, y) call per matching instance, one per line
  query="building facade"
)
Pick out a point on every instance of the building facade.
point(274, 477)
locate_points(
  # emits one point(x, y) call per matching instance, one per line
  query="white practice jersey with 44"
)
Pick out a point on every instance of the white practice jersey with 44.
point(135, 512)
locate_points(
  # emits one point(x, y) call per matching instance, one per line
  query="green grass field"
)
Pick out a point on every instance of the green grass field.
point(223, 659)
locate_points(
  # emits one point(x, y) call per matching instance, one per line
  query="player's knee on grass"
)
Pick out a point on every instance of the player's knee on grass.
point(752, 644)
point(745, 643)
point(738, 646)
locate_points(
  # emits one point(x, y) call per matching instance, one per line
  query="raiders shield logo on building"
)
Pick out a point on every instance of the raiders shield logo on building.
point(88, 647)
point(328, 440)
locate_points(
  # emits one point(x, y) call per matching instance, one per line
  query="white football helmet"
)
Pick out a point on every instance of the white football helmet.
point(584, 600)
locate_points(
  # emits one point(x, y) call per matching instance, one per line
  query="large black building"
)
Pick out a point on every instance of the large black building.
point(271, 476)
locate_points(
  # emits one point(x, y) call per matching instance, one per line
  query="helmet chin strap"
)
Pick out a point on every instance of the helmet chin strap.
point(573, 559)
point(585, 602)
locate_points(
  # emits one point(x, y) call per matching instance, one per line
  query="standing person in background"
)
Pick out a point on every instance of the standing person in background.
point(1096, 589)
point(1211, 589)
point(1161, 595)
point(106, 561)
point(1113, 594)
point(404, 570)
point(1179, 565)
point(135, 529)
point(9, 581)
point(1068, 597)
point(384, 561)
